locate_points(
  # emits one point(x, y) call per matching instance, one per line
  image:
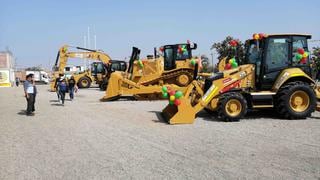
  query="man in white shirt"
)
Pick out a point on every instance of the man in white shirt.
point(30, 94)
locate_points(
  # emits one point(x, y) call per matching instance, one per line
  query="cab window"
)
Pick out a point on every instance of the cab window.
point(298, 43)
point(277, 53)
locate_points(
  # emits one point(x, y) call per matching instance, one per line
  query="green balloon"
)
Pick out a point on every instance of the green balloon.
point(178, 94)
point(298, 57)
point(234, 65)
point(165, 95)
point(171, 102)
point(193, 62)
point(164, 89)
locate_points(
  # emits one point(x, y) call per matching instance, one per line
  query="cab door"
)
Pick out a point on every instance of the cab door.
point(276, 58)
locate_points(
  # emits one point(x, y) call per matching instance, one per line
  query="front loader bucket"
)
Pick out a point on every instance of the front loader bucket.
point(113, 91)
point(182, 114)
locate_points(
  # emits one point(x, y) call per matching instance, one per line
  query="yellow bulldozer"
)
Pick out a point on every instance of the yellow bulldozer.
point(144, 78)
point(275, 73)
point(99, 73)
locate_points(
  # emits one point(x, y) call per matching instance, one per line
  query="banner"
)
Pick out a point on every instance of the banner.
point(4, 78)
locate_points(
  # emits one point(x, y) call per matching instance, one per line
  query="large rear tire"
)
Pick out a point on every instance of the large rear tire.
point(232, 107)
point(295, 100)
point(84, 82)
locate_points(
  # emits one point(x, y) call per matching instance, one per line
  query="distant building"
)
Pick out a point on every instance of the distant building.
point(7, 77)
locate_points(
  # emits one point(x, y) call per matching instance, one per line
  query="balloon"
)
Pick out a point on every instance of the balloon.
point(172, 98)
point(177, 102)
point(233, 43)
point(234, 65)
point(298, 57)
point(180, 51)
point(231, 61)
point(228, 66)
point(164, 89)
point(165, 95)
point(193, 62)
point(303, 61)
point(171, 102)
point(305, 54)
point(178, 94)
point(161, 49)
point(172, 92)
point(261, 35)
point(256, 36)
point(300, 51)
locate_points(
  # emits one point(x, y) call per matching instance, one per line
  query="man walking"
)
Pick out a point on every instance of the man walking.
point(30, 94)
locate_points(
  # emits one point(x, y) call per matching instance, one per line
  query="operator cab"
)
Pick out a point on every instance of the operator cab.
point(101, 68)
point(274, 53)
point(172, 54)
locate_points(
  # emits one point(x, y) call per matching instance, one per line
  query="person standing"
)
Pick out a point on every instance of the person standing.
point(17, 81)
point(62, 86)
point(56, 83)
point(30, 94)
point(72, 87)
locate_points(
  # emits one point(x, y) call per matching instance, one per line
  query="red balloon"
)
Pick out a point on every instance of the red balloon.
point(228, 66)
point(300, 51)
point(303, 60)
point(172, 92)
point(261, 35)
point(177, 102)
point(161, 49)
point(233, 43)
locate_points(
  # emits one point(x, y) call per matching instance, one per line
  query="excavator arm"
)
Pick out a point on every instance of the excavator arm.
point(89, 54)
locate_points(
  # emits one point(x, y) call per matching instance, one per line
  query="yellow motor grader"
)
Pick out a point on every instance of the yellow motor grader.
point(144, 78)
point(99, 73)
point(276, 73)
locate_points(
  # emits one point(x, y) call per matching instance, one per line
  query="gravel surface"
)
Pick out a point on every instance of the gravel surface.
point(88, 139)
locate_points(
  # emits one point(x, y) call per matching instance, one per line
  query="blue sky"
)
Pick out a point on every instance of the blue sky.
point(34, 30)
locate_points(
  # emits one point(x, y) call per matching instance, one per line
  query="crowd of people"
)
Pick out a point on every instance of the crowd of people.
point(63, 86)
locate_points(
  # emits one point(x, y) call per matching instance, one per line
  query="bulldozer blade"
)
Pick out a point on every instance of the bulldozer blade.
point(182, 114)
point(113, 90)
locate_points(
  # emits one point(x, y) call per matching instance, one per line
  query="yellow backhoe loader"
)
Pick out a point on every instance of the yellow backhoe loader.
point(99, 73)
point(144, 78)
point(276, 73)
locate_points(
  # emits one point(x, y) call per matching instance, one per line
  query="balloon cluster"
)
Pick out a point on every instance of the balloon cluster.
point(140, 63)
point(259, 36)
point(233, 43)
point(174, 96)
point(302, 56)
point(161, 49)
point(231, 64)
point(182, 49)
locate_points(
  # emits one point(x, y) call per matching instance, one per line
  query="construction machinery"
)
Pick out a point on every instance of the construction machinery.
point(99, 73)
point(276, 74)
point(144, 78)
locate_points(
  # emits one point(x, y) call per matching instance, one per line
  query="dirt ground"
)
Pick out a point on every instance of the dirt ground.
point(88, 139)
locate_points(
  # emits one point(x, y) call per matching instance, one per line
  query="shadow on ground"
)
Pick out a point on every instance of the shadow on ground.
point(22, 112)
point(213, 116)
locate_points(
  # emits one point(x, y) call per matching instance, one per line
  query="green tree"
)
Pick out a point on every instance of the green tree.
point(224, 49)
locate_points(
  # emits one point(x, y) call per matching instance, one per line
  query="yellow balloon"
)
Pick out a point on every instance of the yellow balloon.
point(256, 36)
point(172, 98)
point(305, 54)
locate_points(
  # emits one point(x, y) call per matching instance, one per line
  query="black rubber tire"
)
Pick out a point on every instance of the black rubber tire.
point(103, 86)
point(81, 85)
point(224, 99)
point(282, 100)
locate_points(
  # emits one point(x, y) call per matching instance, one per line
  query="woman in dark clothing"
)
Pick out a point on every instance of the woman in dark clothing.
point(72, 87)
point(62, 85)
